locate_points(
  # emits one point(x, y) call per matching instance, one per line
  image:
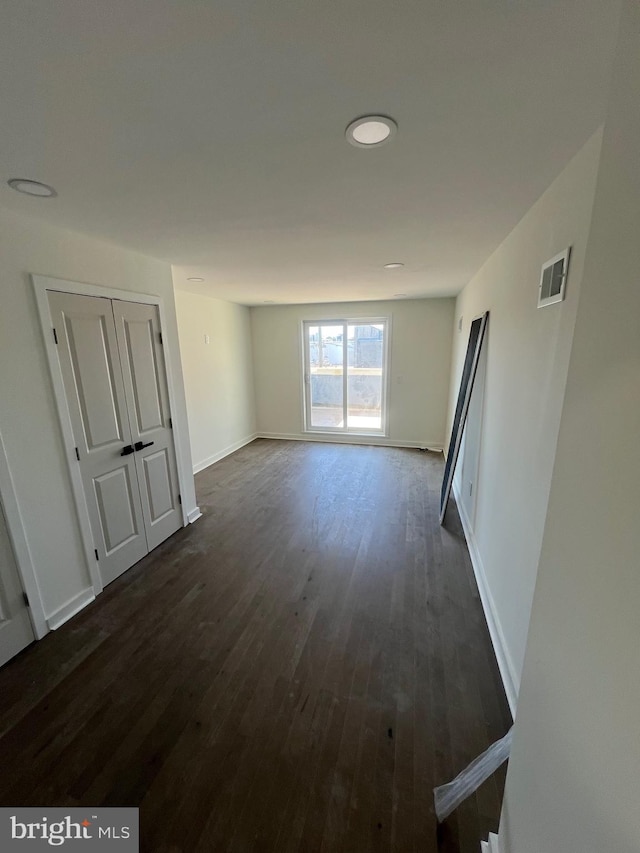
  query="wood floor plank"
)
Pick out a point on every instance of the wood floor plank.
point(294, 672)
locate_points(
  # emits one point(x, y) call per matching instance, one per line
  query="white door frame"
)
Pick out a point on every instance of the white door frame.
point(15, 529)
point(306, 377)
point(41, 285)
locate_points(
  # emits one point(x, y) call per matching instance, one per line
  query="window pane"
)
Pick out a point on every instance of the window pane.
point(364, 375)
point(326, 376)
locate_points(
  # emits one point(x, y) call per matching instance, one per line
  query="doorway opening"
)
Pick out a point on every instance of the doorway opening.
point(345, 376)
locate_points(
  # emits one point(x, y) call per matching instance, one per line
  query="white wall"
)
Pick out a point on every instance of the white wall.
point(527, 359)
point(28, 420)
point(420, 360)
point(218, 376)
point(574, 775)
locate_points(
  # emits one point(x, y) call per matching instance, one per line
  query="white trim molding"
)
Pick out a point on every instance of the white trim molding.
point(194, 515)
point(505, 663)
point(492, 845)
point(17, 535)
point(73, 606)
point(210, 460)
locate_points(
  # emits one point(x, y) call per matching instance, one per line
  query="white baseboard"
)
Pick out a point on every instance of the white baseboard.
point(492, 845)
point(73, 606)
point(505, 663)
point(194, 515)
point(378, 440)
point(200, 466)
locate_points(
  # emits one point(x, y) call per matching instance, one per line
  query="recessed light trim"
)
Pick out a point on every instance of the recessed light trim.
point(394, 265)
point(268, 302)
point(371, 131)
point(29, 187)
point(195, 278)
point(399, 295)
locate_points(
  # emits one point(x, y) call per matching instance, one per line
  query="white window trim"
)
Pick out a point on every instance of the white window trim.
point(383, 432)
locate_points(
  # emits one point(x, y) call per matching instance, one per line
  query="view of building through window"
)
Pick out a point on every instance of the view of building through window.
point(344, 375)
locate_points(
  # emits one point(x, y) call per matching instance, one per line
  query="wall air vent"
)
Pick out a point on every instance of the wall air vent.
point(553, 279)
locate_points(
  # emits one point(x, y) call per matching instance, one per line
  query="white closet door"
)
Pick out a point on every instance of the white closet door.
point(15, 626)
point(145, 383)
point(88, 352)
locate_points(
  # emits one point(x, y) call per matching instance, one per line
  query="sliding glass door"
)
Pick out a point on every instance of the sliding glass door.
point(345, 375)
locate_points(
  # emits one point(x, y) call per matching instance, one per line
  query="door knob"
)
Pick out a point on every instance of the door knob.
point(127, 450)
point(141, 446)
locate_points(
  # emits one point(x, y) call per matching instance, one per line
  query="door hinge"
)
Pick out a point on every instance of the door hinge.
point(55, 336)
point(160, 337)
point(170, 423)
point(77, 454)
point(95, 551)
point(25, 598)
point(180, 499)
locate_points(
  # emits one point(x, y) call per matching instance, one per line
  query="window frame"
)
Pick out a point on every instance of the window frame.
point(345, 322)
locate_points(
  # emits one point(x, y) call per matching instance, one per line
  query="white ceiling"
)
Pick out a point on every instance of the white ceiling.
point(211, 134)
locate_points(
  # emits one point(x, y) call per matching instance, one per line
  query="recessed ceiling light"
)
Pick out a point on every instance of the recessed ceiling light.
point(371, 131)
point(269, 302)
point(399, 295)
point(195, 278)
point(24, 185)
point(396, 265)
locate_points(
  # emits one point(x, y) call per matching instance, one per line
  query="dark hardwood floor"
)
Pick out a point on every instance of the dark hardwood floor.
point(294, 672)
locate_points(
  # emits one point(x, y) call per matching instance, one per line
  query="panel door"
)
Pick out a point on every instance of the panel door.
point(15, 626)
point(88, 353)
point(145, 383)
